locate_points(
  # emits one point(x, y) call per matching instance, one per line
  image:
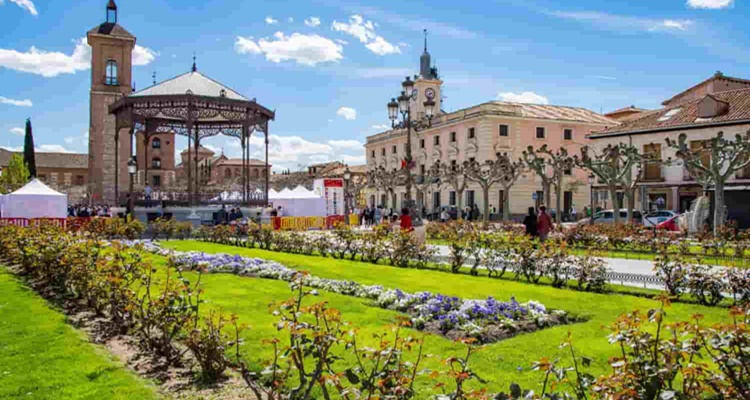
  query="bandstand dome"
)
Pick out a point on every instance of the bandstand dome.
point(196, 106)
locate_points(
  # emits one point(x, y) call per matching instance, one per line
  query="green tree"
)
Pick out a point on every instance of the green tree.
point(15, 176)
point(28, 149)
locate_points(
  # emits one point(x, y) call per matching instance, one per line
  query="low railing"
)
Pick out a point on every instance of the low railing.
point(306, 223)
point(25, 222)
point(182, 199)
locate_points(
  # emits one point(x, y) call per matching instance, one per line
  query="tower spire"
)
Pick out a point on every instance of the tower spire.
point(195, 68)
point(153, 76)
point(112, 12)
point(425, 40)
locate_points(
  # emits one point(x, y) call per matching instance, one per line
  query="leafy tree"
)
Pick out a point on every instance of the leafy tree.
point(614, 167)
point(15, 176)
point(543, 161)
point(726, 157)
point(28, 149)
point(488, 174)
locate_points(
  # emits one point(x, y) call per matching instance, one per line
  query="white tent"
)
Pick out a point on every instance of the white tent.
point(299, 202)
point(35, 200)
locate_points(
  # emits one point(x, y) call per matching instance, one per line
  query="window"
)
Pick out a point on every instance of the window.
point(393, 150)
point(540, 132)
point(652, 168)
point(228, 173)
point(256, 173)
point(567, 134)
point(470, 198)
point(421, 169)
point(472, 159)
point(471, 133)
point(503, 130)
point(156, 143)
point(453, 164)
point(452, 198)
point(436, 200)
point(453, 137)
point(436, 140)
point(79, 180)
point(539, 198)
point(568, 171)
point(421, 143)
point(567, 202)
point(156, 180)
point(382, 151)
point(110, 77)
point(372, 153)
point(156, 163)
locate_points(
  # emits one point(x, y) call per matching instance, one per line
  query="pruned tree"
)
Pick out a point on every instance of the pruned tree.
point(354, 188)
point(383, 180)
point(427, 181)
point(454, 177)
point(15, 176)
point(724, 159)
point(550, 166)
point(486, 175)
point(513, 170)
point(614, 167)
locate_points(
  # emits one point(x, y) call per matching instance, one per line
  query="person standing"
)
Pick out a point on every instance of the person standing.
point(574, 213)
point(378, 215)
point(544, 224)
point(444, 215)
point(405, 223)
point(147, 192)
point(530, 223)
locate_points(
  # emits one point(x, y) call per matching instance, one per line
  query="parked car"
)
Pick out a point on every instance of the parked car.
point(671, 224)
point(608, 217)
point(655, 218)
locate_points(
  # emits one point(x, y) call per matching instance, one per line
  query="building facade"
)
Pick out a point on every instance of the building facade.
point(668, 185)
point(480, 133)
point(64, 172)
point(155, 159)
point(221, 170)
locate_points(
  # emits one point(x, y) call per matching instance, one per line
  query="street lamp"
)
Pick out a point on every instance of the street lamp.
point(347, 176)
point(132, 169)
point(402, 105)
point(591, 197)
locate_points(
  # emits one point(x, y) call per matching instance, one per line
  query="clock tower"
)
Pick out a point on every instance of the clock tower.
point(111, 72)
point(427, 84)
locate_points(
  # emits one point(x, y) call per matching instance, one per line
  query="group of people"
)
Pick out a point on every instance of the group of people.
point(227, 217)
point(371, 215)
point(83, 210)
point(539, 225)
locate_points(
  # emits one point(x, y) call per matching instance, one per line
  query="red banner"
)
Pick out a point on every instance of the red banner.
point(333, 183)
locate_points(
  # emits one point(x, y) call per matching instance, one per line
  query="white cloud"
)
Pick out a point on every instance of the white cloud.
point(348, 113)
point(52, 63)
point(271, 21)
point(382, 47)
point(17, 131)
point(381, 127)
point(346, 144)
point(304, 49)
point(604, 77)
point(27, 5)
point(354, 160)
point(365, 32)
point(709, 4)
point(290, 19)
point(312, 22)
point(383, 72)
point(17, 103)
point(525, 97)
point(624, 23)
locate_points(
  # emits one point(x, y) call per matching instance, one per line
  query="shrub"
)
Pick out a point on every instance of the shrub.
point(706, 285)
point(208, 342)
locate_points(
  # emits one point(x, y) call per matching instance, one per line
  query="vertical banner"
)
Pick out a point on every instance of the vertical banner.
point(332, 190)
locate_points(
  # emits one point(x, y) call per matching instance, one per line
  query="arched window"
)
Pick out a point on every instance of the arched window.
point(237, 172)
point(156, 143)
point(156, 163)
point(227, 173)
point(110, 78)
point(256, 172)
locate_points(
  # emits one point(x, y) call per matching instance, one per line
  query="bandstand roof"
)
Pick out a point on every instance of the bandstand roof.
point(196, 82)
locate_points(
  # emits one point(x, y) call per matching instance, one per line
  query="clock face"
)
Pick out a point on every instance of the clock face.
point(429, 93)
point(414, 93)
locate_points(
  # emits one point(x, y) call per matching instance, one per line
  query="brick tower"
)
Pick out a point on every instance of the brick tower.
point(111, 68)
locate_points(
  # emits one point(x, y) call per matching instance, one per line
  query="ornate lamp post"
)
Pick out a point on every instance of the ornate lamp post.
point(347, 177)
point(132, 169)
point(591, 199)
point(402, 106)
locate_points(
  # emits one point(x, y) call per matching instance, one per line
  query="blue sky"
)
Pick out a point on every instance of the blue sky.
point(328, 67)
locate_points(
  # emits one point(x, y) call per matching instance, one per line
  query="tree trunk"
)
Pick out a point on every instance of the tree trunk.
point(485, 199)
point(460, 202)
point(547, 187)
point(630, 194)
point(720, 214)
point(615, 205)
point(506, 203)
point(558, 201)
point(394, 199)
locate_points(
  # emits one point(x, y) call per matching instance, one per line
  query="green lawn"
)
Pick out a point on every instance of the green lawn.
point(42, 357)
point(501, 363)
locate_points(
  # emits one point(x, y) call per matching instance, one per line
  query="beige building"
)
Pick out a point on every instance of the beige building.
point(65, 172)
point(480, 133)
point(669, 185)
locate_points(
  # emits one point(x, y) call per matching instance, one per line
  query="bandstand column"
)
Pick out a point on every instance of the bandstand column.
point(117, 161)
point(268, 172)
point(196, 144)
point(243, 142)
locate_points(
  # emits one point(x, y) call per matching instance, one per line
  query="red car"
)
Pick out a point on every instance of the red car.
point(670, 224)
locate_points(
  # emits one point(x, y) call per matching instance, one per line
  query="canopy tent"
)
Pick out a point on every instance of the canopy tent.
point(35, 200)
point(299, 202)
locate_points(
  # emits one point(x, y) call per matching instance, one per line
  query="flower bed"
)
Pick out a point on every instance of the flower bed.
point(489, 320)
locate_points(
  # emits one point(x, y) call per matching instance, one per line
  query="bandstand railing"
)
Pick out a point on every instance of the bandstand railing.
point(184, 199)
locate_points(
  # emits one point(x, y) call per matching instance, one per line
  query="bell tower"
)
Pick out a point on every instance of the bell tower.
point(111, 68)
point(427, 84)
